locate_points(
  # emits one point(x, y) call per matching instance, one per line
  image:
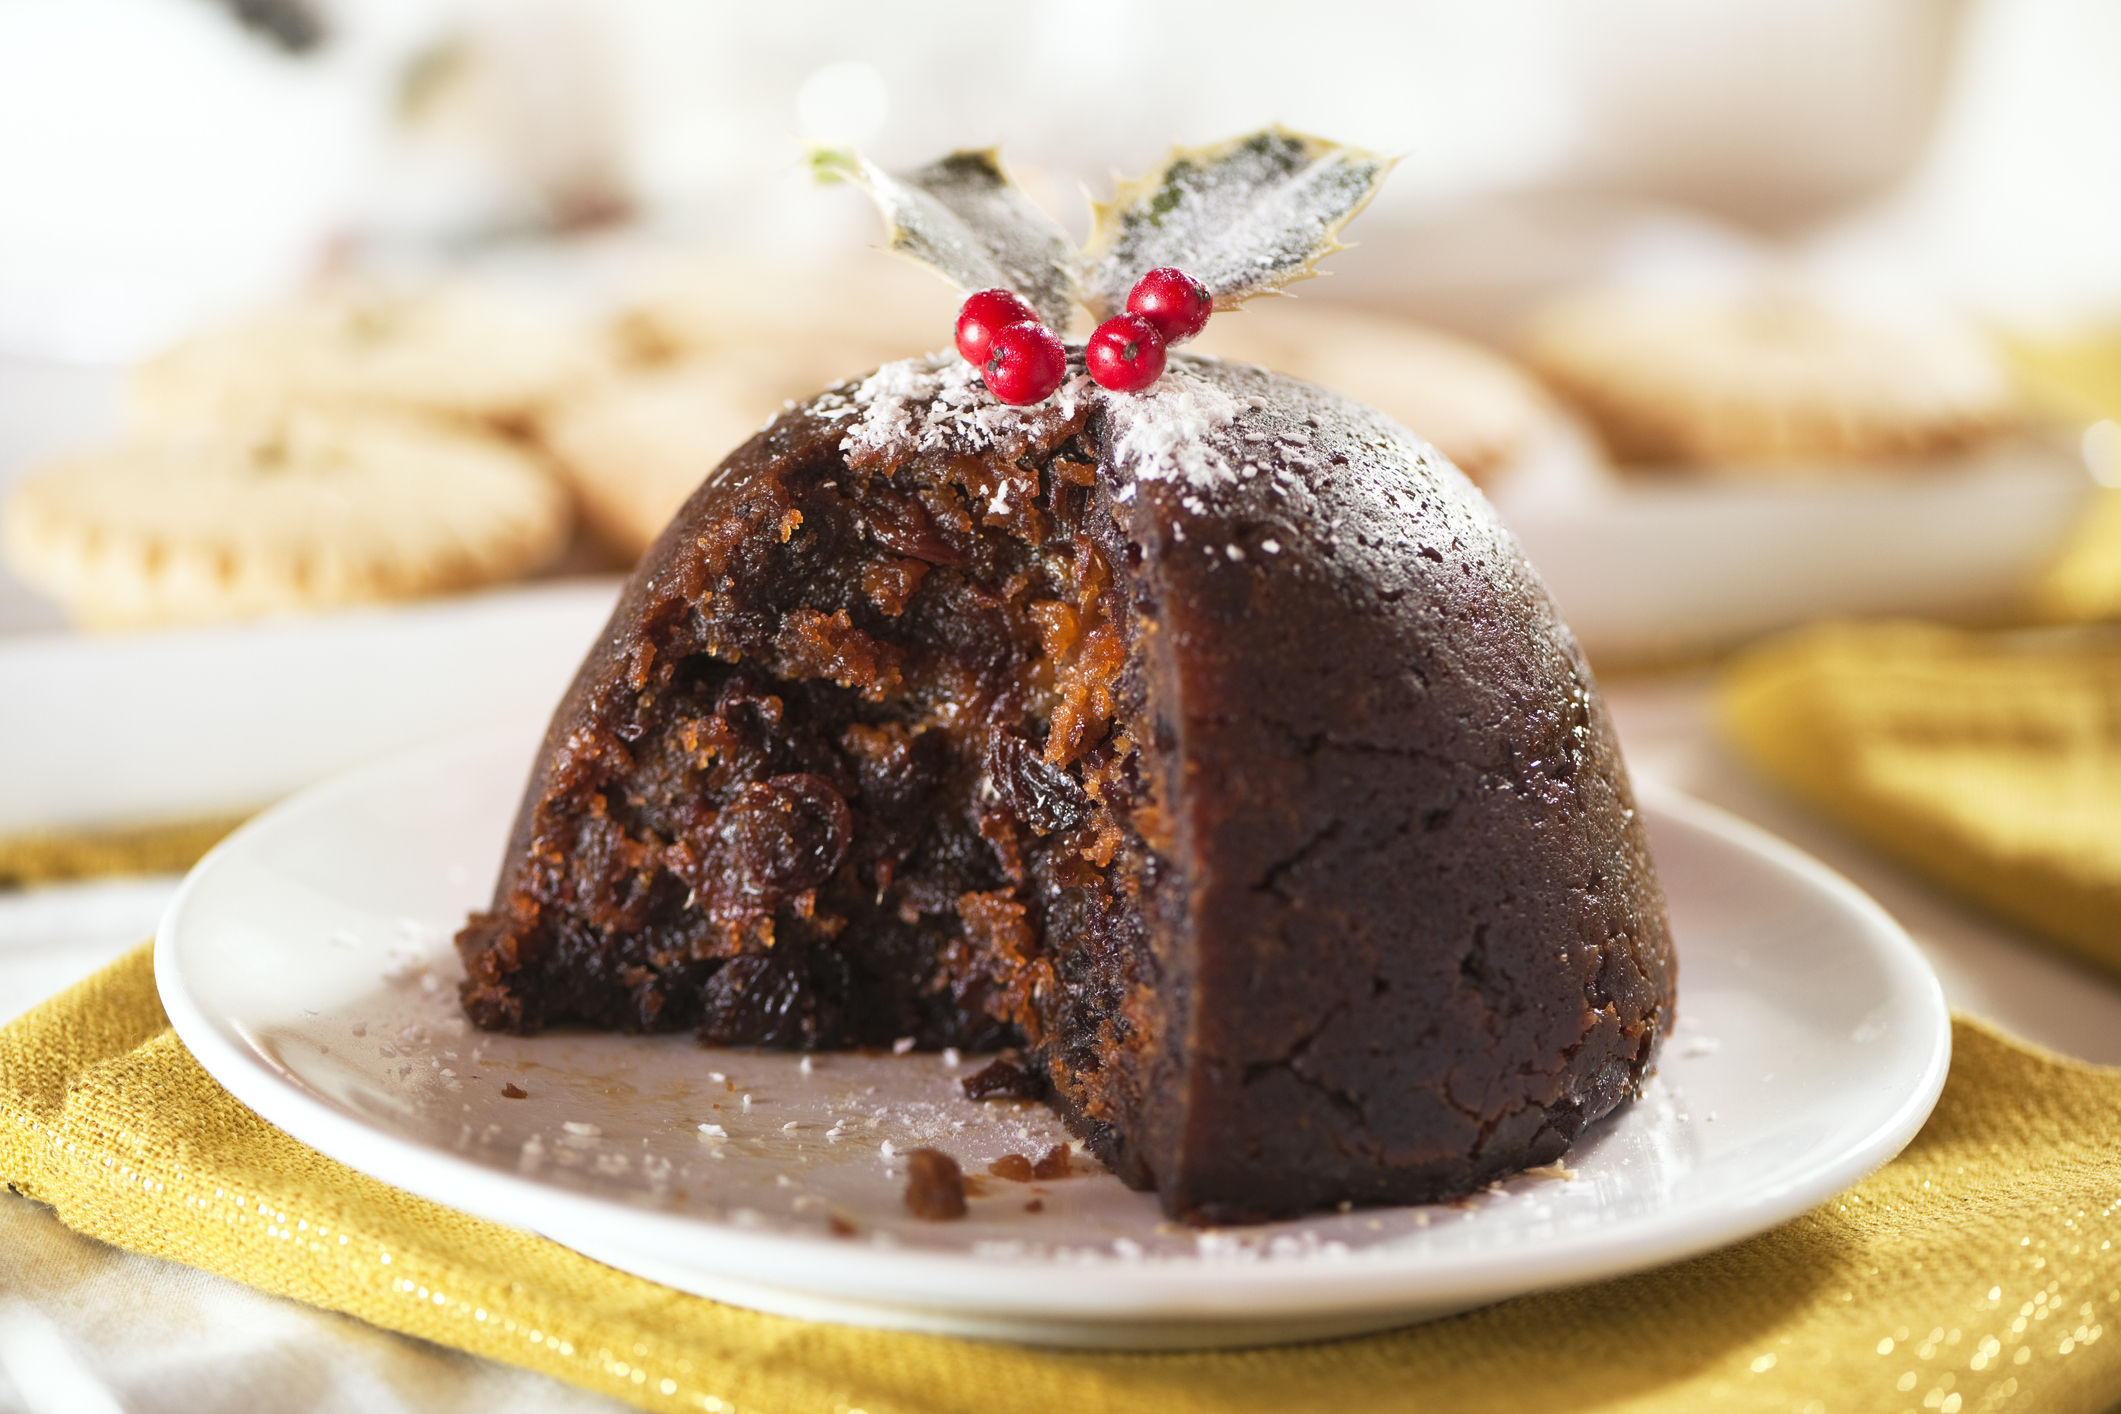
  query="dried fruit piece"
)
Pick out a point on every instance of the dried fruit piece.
point(1056, 1162)
point(935, 1185)
point(778, 838)
point(1014, 1167)
point(1004, 1079)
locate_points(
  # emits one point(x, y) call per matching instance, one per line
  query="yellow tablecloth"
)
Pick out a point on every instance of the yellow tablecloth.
point(1978, 1271)
point(48, 856)
point(2076, 381)
point(1991, 762)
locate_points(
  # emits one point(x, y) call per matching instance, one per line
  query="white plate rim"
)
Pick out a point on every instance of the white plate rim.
point(1079, 1291)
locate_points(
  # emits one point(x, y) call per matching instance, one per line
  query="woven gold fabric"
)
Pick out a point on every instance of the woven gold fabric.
point(1977, 1272)
point(1990, 762)
point(46, 856)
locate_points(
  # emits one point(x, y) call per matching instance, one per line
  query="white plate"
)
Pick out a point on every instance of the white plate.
point(1647, 567)
point(307, 964)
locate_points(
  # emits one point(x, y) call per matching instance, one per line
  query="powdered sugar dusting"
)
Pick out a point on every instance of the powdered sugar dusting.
point(940, 404)
point(1163, 434)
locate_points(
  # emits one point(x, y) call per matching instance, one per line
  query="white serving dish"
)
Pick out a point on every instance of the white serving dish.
point(307, 964)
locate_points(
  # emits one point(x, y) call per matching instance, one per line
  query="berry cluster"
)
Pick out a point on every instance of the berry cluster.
point(1166, 306)
point(1022, 361)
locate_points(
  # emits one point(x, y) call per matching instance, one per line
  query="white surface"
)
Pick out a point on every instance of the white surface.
point(307, 964)
point(151, 726)
point(1645, 567)
point(51, 938)
point(159, 1338)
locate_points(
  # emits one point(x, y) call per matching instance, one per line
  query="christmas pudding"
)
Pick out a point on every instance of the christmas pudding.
point(1199, 734)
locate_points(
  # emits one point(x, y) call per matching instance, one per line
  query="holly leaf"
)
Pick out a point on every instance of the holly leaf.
point(966, 219)
point(1244, 217)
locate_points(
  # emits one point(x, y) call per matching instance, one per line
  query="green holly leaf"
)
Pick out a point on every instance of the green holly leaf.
point(1243, 217)
point(966, 219)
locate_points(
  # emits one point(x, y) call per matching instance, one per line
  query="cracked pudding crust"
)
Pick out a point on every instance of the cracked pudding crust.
point(1213, 747)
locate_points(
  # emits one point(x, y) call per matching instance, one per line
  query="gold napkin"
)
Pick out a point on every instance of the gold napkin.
point(1991, 762)
point(1977, 1272)
point(2075, 379)
point(170, 847)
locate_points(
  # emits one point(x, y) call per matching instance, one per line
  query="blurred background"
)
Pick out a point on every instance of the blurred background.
point(168, 161)
point(1745, 314)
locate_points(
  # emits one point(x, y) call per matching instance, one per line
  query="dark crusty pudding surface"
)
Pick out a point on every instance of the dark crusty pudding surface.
point(1214, 746)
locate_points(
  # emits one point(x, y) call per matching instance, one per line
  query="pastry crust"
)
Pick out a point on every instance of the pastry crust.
point(296, 514)
point(707, 360)
point(1765, 382)
point(448, 352)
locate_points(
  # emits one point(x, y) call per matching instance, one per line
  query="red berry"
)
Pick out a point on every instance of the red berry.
point(1025, 363)
point(1126, 354)
point(1176, 303)
point(982, 315)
